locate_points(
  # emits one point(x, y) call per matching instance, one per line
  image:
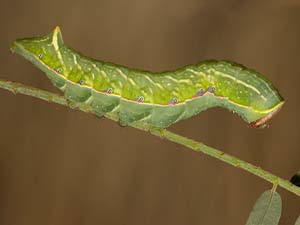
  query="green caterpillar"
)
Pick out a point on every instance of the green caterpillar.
point(158, 99)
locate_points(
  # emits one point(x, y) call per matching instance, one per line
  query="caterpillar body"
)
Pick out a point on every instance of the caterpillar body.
point(158, 99)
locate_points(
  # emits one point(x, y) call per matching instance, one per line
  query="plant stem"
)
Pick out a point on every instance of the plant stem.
point(189, 143)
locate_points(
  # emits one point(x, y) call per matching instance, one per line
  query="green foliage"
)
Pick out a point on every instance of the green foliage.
point(298, 221)
point(267, 209)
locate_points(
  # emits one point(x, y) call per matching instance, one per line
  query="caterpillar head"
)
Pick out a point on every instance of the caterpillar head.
point(42, 48)
point(262, 122)
point(268, 108)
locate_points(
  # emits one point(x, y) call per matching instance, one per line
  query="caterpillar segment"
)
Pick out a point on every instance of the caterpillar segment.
point(158, 99)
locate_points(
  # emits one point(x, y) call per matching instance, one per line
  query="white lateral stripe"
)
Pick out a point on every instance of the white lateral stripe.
point(196, 72)
point(74, 59)
point(122, 74)
point(95, 67)
point(56, 47)
point(171, 78)
point(93, 75)
point(151, 81)
point(76, 62)
point(185, 81)
point(132, 82)
point(103, 73)
point(239, 82)
point(230, 77)
point(154, 83)
point(40, 39)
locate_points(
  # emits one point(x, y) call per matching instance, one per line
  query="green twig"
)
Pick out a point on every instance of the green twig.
point(189, 143)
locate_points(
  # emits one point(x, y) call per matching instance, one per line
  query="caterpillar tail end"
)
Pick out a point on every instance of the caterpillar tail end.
point(262, 122)
point(57, 29)
point(55, 34)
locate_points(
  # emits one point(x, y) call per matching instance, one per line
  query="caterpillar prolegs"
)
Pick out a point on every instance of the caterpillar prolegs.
point(158, 99)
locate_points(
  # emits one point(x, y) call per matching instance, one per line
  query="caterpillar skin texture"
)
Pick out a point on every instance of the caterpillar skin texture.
point(158, 99)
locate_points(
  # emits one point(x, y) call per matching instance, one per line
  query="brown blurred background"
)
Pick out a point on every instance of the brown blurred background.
point(64, 167)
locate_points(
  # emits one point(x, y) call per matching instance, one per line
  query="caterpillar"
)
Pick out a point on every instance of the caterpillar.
point(158, 99)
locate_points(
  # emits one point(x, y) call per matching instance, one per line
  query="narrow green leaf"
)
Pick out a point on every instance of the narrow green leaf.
point(267, 209)
point(298, 221)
